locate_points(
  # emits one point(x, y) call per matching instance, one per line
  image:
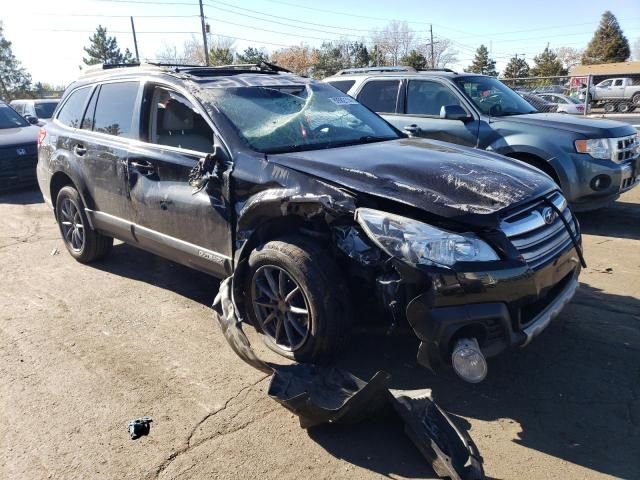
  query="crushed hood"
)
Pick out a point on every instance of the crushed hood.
point(587, 126)
point(436, 177)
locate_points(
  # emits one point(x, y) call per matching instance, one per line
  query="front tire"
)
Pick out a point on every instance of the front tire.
point(83, 243)
point(296, 297)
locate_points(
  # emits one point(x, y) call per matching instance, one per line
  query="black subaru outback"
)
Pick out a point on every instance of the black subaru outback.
point(314, 205)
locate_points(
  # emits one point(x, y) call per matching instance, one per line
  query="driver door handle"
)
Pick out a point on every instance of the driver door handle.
point(412, 129)
point(142, 166)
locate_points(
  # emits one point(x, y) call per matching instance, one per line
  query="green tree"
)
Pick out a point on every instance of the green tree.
point(220, 56)
point(359, 55)
point(516, 68)
point(482, 63)
point(414, 59)
point(330, 59)
point(547, 64)
point(608, 44)
point(252, 55)
point(104, 49)
point(15, 82)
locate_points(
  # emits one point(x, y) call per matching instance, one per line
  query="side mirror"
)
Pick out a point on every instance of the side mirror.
point(453, 112)
point(31, 119)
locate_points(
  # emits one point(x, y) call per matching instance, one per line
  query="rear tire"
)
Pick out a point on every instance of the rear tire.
point(291, 275)
point(636, 99)
point(83, 243)
point(624, 107)
point(609, 107)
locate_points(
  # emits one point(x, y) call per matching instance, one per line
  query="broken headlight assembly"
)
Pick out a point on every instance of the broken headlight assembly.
point(419, 243)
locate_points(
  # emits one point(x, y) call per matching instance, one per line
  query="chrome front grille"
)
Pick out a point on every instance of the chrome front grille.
point(537, 231)
point(626, 148)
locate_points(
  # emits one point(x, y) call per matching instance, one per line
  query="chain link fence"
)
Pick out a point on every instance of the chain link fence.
point(581, 95)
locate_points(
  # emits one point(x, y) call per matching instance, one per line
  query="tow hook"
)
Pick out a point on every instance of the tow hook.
point(468, 361)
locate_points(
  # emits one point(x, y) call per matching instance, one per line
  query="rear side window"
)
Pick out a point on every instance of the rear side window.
point(72, 110)
point(380, 95)
point(114, 110)
point(342, 85)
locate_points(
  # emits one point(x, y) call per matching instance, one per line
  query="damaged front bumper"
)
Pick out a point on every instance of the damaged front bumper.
point(500, 308)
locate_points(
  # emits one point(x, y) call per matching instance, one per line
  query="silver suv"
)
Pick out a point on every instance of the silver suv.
point(593, 160)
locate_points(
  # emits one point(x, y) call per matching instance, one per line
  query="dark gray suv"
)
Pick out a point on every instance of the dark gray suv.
point(593, 160)
point(314, 206)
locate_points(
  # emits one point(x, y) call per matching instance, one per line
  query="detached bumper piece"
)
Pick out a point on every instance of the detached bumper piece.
point(320, 395)
point(452, 453)
point(324, 395)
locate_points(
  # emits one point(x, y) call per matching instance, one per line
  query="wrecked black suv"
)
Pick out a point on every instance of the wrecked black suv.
point(314, 205)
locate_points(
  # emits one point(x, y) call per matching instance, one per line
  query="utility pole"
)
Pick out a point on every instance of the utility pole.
point(204, 35)
point(433, 58)
point(135, 40)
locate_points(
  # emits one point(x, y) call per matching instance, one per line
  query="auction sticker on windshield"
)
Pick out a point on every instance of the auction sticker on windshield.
point(343, 100)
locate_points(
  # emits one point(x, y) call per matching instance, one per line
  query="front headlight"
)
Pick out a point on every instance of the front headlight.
point(601, 148)
point(417, 242)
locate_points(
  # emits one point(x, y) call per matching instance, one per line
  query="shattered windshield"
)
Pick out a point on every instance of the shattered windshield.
point(280, 119)
point(492, 97)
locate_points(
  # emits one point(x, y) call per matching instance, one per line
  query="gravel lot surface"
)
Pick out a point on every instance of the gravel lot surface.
point(84, 349)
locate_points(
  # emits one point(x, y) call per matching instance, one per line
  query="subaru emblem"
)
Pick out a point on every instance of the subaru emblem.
point(21, 151)
point(549, 216)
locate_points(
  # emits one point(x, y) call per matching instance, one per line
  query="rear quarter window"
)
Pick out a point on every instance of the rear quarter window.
point(73, 108)
point(342, 85)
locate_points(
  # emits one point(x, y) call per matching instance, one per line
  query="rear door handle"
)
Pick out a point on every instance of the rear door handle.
point(79, 149)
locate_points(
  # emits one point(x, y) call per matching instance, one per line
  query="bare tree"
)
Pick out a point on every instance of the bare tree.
point(393, 42)
point(569, 56)
point(443, 53)
point(221, 51)
point(636, 50)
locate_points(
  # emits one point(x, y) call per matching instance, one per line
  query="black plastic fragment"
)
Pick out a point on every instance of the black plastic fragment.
point(139, 427)
point(452, 453)
point(321, 395)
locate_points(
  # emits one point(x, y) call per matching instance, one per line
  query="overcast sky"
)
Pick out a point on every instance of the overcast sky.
point(48, 35)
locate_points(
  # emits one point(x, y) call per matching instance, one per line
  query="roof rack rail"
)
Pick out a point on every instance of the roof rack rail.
point(350, 71)
point(437, 70)
point(262, 66)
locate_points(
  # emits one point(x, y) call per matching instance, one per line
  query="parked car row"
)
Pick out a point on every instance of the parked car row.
point(311, 202)
point(592, 160)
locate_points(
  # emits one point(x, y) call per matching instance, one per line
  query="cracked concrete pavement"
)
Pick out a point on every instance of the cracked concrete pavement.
point(84, 349)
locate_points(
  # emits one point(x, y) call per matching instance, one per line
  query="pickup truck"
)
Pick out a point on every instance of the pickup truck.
point(613, 94)
point(593, 160)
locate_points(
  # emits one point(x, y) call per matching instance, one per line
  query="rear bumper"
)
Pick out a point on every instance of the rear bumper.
point(502, 314)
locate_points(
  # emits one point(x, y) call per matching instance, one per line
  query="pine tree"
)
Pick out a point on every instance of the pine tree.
point(14, 80)
point(608, 44)
point(104, 49)
point(359, 55)
point(482, 63)
point(252, 55)
point(414, 59)
point(547, 64)
point(516, 68)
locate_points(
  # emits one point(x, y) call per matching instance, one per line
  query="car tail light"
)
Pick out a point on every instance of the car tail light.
point(41, 135)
